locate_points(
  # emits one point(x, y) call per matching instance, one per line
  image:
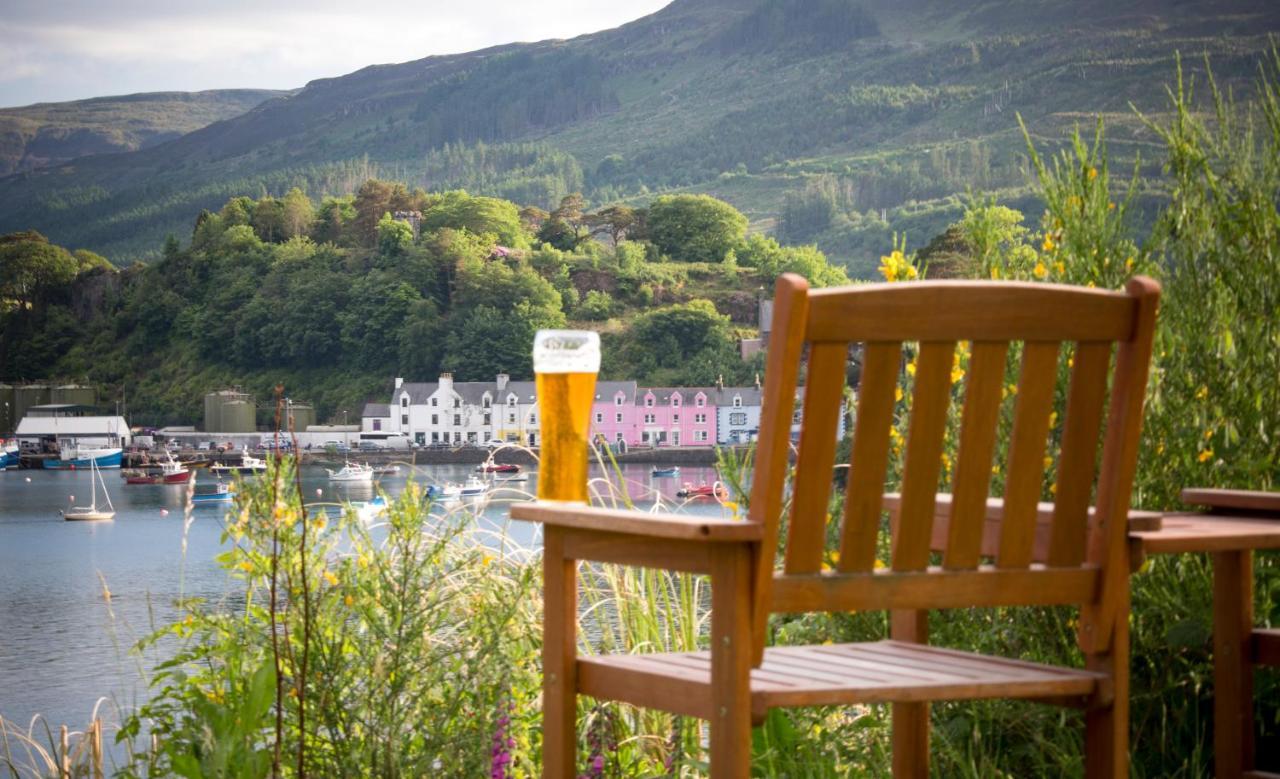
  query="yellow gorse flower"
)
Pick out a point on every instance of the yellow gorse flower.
point(1206, 455)
point(1048, 244)
point(896, 267)
point(1040, 270)
point(1202, 393)
point(329, 577)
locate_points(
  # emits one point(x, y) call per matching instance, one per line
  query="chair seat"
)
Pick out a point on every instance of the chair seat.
point(872, 672)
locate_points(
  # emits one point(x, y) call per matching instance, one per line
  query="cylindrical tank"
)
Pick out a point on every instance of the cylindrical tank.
point(303, 416)
point(29, 395)
point(74, 394)
point(228, 411)
point(238, 417)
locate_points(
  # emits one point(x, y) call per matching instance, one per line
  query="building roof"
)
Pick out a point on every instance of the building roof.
point(418, 392)
point(751, 396)
point(606, 390)
point(687, 394)
point(376, 410)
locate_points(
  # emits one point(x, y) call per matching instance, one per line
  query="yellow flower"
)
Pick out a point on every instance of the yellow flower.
point(1092, 173)
point(1040, 270)
point(1053, 489)
point(880, 564)
point(1048, 462)
point(995, 470)
point(329, 577)
point(911, 368)
point(350, 601)
point(1160, 448)
point(1060, 267)
point(1048, 244)
point(486, 559)
point(995, 273)
point(1206, 455)
point(897, 394)
point(1128, 264)
point(956, 375)
point(1202, 393)
point(1111, 206)
point(896, 267)
point(245, 565)
point(1208, 434)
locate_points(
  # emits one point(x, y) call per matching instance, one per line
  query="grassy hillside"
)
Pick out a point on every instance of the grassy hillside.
point(887, 109)
point(45, 134)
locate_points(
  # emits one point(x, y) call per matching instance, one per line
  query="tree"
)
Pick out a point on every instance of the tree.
point(695, 228)
point(298, 214)
point(487, 340)
point(373, 199)
point(689, 344)
point(772, 260)
point(268, 220)
point(395, 236)
point(31, 269)
point(614, 221)
point(461, 211)
point(335, 218)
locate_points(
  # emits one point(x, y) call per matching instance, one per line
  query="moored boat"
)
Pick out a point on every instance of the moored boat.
point(498, 468)
point(354, 472)
point(703, 490)
point(662, 473)
point(221, 493)
point(474, 488)
point(386, 470)
point(92, 513)
point(248, 465)
point(71, 457)
point(449, 491)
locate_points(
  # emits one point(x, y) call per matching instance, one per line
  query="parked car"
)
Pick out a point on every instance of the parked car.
point(337, 446)
point(370, 446)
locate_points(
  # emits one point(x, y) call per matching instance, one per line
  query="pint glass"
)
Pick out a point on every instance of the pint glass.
point(566, 363)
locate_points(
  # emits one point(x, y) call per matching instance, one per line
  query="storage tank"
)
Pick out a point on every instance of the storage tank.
point(28, 395)
point(229, 411)
point(302, 416)
point(74, 394)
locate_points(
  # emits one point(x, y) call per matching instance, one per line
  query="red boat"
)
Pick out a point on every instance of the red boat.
point(170, 472)
point(498, 468)
point(703, 490)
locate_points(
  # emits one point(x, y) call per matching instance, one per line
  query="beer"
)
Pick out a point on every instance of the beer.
point(566, 363)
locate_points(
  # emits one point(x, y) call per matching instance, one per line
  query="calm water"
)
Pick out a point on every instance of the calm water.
point(63, 645)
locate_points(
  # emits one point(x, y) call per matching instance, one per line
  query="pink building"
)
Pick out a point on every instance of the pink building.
point(613, 414)
point(676, 416)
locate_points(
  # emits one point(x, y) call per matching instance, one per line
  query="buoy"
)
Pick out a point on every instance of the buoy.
point(319, 492)
point(164, 512)
point(28, 480)
point(71, 498)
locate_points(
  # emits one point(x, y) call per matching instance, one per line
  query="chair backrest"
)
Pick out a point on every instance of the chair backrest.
point(1057, 327)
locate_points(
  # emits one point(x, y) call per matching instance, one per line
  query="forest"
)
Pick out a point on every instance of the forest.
point(334, 298)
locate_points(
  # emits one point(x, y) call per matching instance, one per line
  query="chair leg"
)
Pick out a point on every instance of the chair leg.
point(731, 663)
point(910, 720)
point(1106, 728)
point(559, 661)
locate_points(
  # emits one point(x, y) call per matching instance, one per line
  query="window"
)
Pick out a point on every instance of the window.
point(737, 401)
point(421, 438)
point(675, 400)
point(511, 400)
point(644, 437)
point(599, 418)
point(457, 420)
point(377, 424)
point(618, 418)
point(675, 419)
point(699, 419)
point(619, 438)
point(435, 402)
point(511, 419)
point(617, 401)
point(738, 419)
point(650, 419)
point(701, 401)
point(471, 438)
point(648, 401)
point(487, 403)
point(435, 419)
point(533, 419)
point(487, 421)
point(457, 403)
point(435, 438)
point(457, 437)
point(404, 401)
point(700, 435)
point(404, 420)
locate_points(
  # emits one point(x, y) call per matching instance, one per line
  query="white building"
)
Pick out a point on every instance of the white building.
point(737, 415)
point(66, 422)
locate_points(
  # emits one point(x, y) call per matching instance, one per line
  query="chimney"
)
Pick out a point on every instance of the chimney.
point(399, 382)
point(720, 381)
point(757, 381)
point(446, 382)
point(502, 381)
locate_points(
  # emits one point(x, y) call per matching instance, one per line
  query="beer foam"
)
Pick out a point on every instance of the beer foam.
point(566, 351)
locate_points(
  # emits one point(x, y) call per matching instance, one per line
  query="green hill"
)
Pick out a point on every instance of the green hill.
point(851, 119)
point(45, 134)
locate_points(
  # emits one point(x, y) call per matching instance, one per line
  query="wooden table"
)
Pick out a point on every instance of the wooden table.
point(1238, 523)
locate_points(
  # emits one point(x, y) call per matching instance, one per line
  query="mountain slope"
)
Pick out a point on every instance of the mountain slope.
point(887, 104)
point(45, 134)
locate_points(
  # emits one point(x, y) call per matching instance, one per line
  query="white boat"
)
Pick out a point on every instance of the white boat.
point(352, 472)
point(449, 491)
point(374, 509)
point(92, 512)
point(473, 488)
point(248, 464)
point(386, 470)
point(519, 478)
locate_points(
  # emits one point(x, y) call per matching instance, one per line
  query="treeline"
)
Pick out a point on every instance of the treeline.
point(332, 297)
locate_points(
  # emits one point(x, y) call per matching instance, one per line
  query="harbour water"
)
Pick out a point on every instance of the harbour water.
point(64, 644)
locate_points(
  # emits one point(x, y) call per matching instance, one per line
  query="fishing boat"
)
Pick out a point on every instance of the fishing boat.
point(9, 456)
point(703, 490)
point(168, 472)
point(498, 468)
point(355, 472)
point(92, 513)
point(449, 491)
point(73, 456)
point(248, 465)
point(386, 470)
point(662, 473)
point(519, 478)
point(221, 493)
point(473, 488)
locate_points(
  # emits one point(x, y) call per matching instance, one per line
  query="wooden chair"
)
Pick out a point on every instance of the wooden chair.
point(734, 683)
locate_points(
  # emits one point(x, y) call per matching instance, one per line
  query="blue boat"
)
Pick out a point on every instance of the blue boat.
point(664, 472)
point(221, 494)
point(9, 458)
point(73, 458)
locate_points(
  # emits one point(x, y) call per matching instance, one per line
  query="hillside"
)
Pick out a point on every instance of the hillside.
point(46, 134)
point(853, 119)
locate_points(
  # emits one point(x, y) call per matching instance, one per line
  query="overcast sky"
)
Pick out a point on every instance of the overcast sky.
point(53, 50)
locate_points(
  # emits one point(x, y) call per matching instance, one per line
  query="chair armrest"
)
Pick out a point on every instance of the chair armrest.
point(638, 523)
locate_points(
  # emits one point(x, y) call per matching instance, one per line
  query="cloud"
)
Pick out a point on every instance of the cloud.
point(57, 51)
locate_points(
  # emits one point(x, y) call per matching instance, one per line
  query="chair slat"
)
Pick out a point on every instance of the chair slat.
point(881, 363)
point(928, 427)
point(983, 392)
point(823, 395)
point(1077, 460)
point(1026, 453)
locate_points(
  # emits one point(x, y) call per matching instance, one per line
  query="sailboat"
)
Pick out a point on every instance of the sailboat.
point(91, 513)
